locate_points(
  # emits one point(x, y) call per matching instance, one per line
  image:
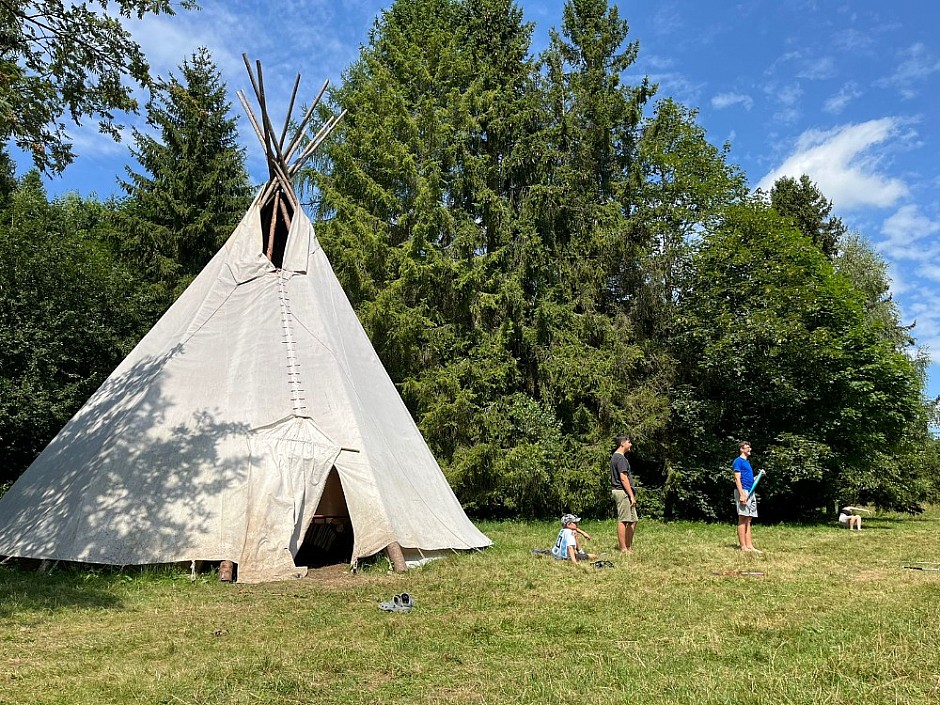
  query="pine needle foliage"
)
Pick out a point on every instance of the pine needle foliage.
point(193, 187)
point(532, 243)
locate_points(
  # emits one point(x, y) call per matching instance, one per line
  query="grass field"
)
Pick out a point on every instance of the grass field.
point(833, 619)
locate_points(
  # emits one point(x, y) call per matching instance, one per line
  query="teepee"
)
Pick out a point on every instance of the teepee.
point(254, 419)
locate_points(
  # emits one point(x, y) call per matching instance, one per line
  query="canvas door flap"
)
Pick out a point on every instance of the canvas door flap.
point(372, 528)
point(288, 469)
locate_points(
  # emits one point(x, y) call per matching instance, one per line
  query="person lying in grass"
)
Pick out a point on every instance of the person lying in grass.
point(568, 546)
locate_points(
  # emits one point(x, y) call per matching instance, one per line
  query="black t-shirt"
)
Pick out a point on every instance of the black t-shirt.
point(619, 464)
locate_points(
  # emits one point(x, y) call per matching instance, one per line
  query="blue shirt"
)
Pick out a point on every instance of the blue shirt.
point(742, 466)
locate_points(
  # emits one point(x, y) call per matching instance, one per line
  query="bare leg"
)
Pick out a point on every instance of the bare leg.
point(629, 530)
point(744, 533)
point(625, 531)
point(750, 544)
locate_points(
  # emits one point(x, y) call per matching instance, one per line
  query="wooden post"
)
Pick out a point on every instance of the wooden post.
point(396, 557)
point(273, 228)
point(225, 571)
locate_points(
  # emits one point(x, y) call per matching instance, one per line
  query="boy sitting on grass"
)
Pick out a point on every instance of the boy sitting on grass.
point(567, 545)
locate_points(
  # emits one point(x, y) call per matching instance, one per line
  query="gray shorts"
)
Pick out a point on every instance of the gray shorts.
point(626, 512)
point(749, 508)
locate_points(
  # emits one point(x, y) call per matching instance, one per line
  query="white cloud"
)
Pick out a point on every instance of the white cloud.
point(726, 100)
point(678, 86)
point(657, 62)
point(930, 271)
point(899, 283)
point(844, 164)
point(852, 40)
point(924, 311)
point(817, 69)
point(909, 222)
point(917, 64)
point(807, 66)
point(88, 141)
point(789, 95)
point(667, 19)
point(906, 231)
point(835, 104)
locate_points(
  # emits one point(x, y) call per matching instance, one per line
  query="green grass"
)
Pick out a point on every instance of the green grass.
point(834, 619)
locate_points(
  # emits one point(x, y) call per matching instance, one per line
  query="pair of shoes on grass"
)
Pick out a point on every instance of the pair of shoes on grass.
point(603, 564)
point(400, 603)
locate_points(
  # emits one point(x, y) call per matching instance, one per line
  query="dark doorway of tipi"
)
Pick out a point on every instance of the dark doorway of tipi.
point(329, 536)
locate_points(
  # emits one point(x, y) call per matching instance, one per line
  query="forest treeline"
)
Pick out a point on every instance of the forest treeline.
point(545, 252)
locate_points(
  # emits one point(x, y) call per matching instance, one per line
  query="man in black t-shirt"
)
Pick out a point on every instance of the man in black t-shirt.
point(622, 490)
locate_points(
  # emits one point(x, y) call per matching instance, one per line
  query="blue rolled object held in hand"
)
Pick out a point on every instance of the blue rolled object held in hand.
point(754, 486)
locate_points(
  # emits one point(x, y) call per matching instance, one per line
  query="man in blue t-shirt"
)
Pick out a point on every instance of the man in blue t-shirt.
point(745, 502)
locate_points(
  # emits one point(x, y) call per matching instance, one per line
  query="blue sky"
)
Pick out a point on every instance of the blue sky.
point(847, 92)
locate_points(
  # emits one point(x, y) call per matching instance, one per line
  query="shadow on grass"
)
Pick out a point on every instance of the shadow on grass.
point(23, 589)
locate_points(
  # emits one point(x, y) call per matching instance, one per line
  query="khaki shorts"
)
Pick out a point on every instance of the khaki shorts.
point(626, 511)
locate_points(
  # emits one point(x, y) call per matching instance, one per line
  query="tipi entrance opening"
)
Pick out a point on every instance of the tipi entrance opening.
point(328, 539)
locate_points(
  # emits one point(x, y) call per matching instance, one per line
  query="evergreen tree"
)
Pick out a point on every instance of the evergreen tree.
point(194, 188)
point(592, 370)
point(7, 178)
point(478, 236)
point(418, 217)
point(803, 203)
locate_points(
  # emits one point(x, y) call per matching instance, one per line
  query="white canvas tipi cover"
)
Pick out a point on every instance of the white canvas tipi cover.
point(214, 438)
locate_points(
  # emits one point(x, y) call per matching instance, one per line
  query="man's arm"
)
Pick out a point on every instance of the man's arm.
point(572, 554)
point(742, 495)
point(625, 481)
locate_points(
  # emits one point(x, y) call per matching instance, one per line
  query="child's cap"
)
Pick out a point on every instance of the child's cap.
point(570, 519)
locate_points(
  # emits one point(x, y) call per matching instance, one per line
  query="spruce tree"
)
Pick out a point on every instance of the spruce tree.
point(193, 187)
point(419, 216)
point(593, 371)
point(809, 210)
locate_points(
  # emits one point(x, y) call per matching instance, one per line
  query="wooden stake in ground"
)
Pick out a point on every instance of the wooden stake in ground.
point(396, 557)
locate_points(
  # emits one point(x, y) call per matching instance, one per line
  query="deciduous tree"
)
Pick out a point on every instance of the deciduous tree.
point(62, 62)
point(69, 311)
point(777, 347)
